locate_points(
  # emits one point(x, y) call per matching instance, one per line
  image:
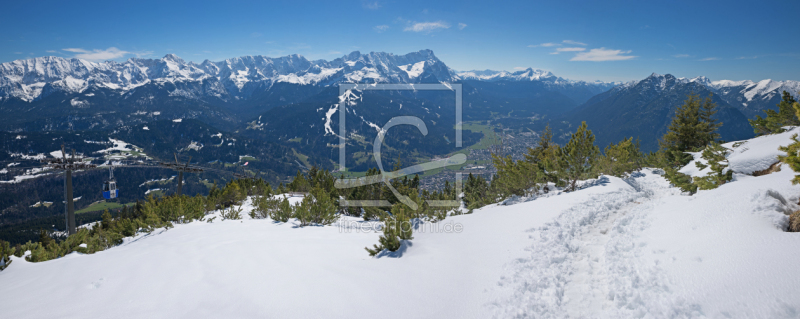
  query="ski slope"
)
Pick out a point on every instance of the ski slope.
point(618, 248)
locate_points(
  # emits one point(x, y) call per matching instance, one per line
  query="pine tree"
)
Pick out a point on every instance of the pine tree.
point(106, 223)
point(621, 158)
point(475, 192)
point(283, 211)
point(775, 121)
point(692, 128)
point(545, 156)
point(396, 227)
point(302, 211)
point(715, 156)
point(515, 178)
point(45, 239)
point(299, 183)
point(323, 210)
point(792, 157)
point(281, 189)
point(577, 157)
point(680, 180)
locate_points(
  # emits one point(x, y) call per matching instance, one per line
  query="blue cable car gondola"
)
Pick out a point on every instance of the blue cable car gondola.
point(110, 190)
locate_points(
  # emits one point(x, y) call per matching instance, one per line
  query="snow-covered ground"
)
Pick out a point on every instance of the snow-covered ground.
point(618, 248)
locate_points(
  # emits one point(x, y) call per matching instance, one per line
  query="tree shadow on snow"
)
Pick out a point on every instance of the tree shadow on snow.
point(404, 244)
point(600, 181)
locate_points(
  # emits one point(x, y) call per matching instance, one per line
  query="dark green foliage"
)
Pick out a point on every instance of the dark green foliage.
point(775, 121)
point(396, 227)
point(657, 159)
point(145, 216)
point(792, 157)
point(265, 206)
point(163, 137)
point(6, 251)
point(106, 222)
point(316, 208)
point(680, 180)
point(620, 159)
point(372, 213)
point(513, 178)
point(691, 129)
point(45, 238)
point(577, 157)
point(476, 192)
point(545, 155)
point(715, 156)
point(232, 213)
point(283, 212)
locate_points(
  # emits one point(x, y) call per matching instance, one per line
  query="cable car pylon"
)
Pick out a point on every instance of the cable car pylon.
point(181, 168)
point(68, 165)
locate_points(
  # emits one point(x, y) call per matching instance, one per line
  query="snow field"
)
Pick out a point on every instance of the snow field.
point(618, 248)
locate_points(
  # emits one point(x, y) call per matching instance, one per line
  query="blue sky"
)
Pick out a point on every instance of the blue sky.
point(583, 40)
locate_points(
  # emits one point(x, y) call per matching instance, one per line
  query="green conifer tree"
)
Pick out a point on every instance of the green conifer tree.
point(577, 157)
point(715, 156)
point(775, 121)
point(620, 159)
point(792, 157)
point(680, 180)
point(692, 128)
point(323, 209)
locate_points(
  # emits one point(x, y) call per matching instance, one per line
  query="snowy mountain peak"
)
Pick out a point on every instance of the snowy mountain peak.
point(529, 74)
point(173, 58)
point(24, 79)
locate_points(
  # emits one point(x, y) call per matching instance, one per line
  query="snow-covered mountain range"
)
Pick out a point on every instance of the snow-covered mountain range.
point(36, 78)
point(750, 97)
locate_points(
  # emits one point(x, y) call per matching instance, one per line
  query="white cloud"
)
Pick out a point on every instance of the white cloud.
point(520, 68)
point(603, 54)
point(710, 59)
point(546, 45)
point(51, 51)
point(573, 42)
point(17, 52)
point(381, 28)
point(102, 55)
point(427, 26)
point(747, 57)
point(680, 56)
point(573, 49)
point(374, 5)
point(461, 26)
